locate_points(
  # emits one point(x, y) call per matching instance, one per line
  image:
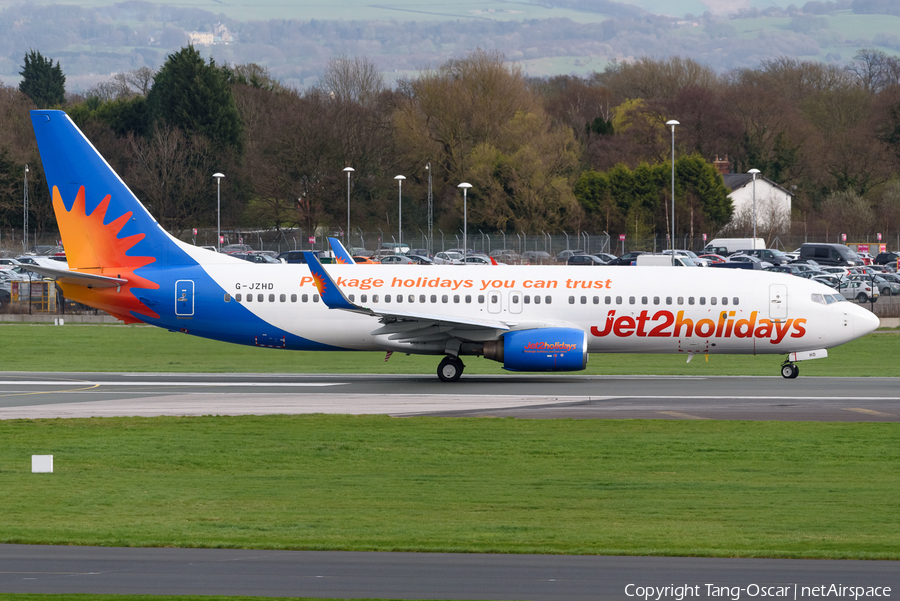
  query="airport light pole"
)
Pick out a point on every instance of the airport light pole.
point(465, 188)
point(400, 179)
point(219, 177)
point(348, 170)
point(754, 173)
point(673, 123)
point(25, 221)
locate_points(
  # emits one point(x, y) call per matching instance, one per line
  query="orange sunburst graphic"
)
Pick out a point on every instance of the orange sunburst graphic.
point(342, 261)
point(321, 284)
point(92, 247)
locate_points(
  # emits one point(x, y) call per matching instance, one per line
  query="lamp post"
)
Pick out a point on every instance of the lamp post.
point(400, 179)
point(673, 123)
point(219, 177)
point(465, 188)
point(754, 173)
point(348, 170)
point(25, 218)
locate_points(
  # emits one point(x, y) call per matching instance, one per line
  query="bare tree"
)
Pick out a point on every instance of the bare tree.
point(353, 80)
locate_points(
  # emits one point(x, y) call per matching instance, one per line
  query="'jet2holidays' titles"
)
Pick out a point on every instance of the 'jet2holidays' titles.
point(666, 324)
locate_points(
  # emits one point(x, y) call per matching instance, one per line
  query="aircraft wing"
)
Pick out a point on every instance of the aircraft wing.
point(66, 276)
point(403, 326)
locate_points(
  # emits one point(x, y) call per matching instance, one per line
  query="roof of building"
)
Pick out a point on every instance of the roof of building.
point(735, 181)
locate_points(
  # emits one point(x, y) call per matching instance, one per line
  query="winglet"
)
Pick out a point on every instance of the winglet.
point(332, 296)
point(340, 253)
point(493, 261)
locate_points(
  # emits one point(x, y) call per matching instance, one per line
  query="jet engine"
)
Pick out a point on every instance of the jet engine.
point(543, 349)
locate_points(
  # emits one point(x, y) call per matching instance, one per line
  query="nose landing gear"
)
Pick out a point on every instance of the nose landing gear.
point(450, 369)
point(789, 370)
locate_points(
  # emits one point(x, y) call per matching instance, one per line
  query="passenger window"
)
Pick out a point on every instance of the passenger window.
point(690, 300)
point(618, 300)
point(643, 300)
point(387, 298)
point(237, 297)
point(630, 300)
point(494, 299)
point(351, 297)
point(260, 298)
point(548, 300)
point(374, 298)
point(305, 298)
point(283, 298)
point(655, 300)
point(712, 300)
point(724, 300)
point(411, 298)
point(455, 298)
point(515, 299)
point(571, 300)
point(537, 300)
point(271, 298)
point(399, 298)
point(596, 300)
point(249, 298)
point(422, 298)
point(608, 300)
point(227, 298)
point(480, 299)
point(734, 301)
point(315, 298)
point(444, 299)
point(364, 298)
point(668, 300)
point(583, 300)
point(293, 298)
point(468, 299)
point(681, 300)
point(527, 300)
point(702, 300)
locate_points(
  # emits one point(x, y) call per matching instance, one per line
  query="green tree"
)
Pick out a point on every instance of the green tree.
point(42, 81)
point(196, 97)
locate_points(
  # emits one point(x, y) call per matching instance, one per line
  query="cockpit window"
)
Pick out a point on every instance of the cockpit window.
point(818, 298)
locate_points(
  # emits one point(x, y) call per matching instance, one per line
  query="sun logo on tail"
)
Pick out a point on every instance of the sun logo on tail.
point(321, 283)
point(93, 246)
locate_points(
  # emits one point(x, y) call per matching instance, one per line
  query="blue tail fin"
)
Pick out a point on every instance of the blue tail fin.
point(102, 223)
point(340, 253)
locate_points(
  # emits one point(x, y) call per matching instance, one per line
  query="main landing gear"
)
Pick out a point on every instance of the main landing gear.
point(789, 370)
point(450, 369)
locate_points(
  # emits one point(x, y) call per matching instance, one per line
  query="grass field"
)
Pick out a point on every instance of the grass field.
point(715, 488)
point(148, 349)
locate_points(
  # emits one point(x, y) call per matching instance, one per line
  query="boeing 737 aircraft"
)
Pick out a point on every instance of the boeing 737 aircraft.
point(530, 318)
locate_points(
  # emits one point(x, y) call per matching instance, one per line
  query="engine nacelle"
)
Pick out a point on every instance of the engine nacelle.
point(542, 349)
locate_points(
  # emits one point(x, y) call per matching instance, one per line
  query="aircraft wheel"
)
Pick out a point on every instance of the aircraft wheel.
point(450, 369)
point(790, 371)
point(862, 298)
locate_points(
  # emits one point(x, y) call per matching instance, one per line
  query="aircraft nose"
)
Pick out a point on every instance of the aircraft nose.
point(864, 322)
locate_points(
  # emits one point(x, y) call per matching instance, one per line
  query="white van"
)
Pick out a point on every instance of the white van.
point(663, 261)
point(727, 246)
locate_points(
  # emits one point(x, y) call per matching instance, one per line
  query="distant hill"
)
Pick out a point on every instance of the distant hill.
point(92, 39)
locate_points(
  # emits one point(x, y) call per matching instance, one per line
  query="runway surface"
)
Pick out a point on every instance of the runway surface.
point(35, 395)
point(47, 570)
point(50, 569)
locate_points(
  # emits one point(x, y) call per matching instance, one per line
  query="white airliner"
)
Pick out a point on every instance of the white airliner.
point(530, 318)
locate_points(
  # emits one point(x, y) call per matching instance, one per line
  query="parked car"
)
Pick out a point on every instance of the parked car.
point(771, 255)
point(627, 258)
point(477, 260)
point(748, 259)
point(397, 260)
point(888, 257)
point(505, 255)
point(564, 255)
point(689, 254)
point(536, 257)
point(419, 252)
point(419, 259)
point(829, 280)
point(365, 261)
point(236, 248)
point(257, 258)
point(448, 258)
point(585, 260)
point(830, 254)
point(858, 290)
point(712, 258)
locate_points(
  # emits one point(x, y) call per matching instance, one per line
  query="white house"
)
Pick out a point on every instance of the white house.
point(773, 203)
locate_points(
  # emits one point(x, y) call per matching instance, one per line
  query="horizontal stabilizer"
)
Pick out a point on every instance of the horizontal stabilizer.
point(66, 276)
